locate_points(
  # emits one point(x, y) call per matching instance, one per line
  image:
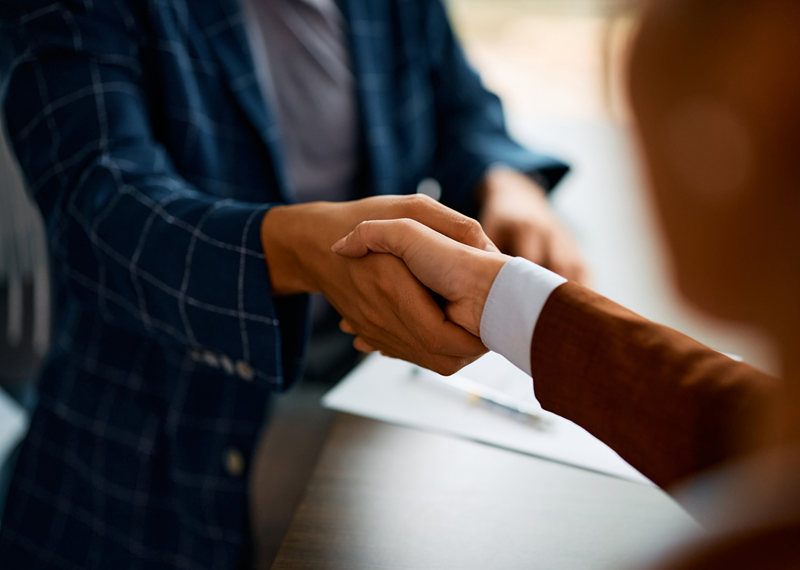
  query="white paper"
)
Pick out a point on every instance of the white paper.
point(398, 392)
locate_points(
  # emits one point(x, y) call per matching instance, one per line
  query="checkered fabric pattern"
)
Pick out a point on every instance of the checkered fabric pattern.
point(147, 145)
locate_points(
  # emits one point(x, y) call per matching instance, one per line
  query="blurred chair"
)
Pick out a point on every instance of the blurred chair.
point(25, 306)
point(25, 302)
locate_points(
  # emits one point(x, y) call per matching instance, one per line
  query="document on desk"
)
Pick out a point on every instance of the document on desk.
point(476, 404)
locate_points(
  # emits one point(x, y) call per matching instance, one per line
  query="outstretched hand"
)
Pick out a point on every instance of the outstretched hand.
point(384, 304)
point(516, 216)
point(460, 273)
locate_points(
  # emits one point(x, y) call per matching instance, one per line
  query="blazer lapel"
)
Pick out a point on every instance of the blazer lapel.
point(369, 25)
point(221, 23)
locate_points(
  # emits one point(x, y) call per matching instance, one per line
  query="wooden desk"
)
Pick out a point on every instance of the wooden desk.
point(386, 497)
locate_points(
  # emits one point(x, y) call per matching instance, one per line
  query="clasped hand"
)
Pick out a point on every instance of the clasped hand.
point(462, 274)
point(378, 297)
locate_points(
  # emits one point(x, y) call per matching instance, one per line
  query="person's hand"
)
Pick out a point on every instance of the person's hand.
point(385, 305)
point(516, 216)
point(461, 274)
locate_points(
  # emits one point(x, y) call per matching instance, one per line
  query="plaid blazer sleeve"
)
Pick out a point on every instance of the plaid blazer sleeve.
point(470, 121)
point(134, 239)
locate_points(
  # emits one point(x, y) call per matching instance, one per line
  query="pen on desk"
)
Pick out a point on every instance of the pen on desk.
point(482, 393)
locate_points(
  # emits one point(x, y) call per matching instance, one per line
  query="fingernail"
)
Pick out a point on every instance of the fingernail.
point(339, 245)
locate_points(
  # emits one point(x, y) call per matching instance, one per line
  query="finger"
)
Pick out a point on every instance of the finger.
point(458, 342)
point(531, 243)
point(429, 334)
point(353, 244)
point(382, 236)
point(427, 212)
point(450, 365)
point(362, 346)
point(448, 222)
point(346, 327)
point(398, 315)
point(465, 314)
point(496, 232)
point(444, 365)
point(431, 328)
point(411, 323)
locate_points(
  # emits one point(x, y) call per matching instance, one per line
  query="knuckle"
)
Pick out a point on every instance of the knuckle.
point(363, 228)
point(419, 201)
point(473, 224)
point(472, 229)
point(373, 321)
point(528, 225)
point(406, 225)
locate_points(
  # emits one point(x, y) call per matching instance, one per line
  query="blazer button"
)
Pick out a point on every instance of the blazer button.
point(244, 370)
point(227, 365)
point(234, 462)
point(211, 359)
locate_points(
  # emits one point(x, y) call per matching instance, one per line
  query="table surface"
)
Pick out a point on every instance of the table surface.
point(388, 497)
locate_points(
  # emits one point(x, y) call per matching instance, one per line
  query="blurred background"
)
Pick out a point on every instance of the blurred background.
point(557, 59)
point(558, 66)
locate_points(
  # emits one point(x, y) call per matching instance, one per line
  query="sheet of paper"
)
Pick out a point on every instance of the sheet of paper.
point(398, 392)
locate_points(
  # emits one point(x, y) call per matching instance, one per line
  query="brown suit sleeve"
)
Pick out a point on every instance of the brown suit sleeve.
point(667, 404)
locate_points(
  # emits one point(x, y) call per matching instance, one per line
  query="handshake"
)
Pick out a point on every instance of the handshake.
point(378, 276)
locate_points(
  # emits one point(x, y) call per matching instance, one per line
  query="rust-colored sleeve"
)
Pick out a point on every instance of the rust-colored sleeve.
point(667, 404)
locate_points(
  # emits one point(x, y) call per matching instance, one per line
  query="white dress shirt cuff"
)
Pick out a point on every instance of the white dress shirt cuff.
point(515, 302)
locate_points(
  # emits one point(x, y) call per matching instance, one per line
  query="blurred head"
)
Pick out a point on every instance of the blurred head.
point(715, 88)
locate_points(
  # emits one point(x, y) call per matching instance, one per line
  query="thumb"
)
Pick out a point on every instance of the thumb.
point(379, 236)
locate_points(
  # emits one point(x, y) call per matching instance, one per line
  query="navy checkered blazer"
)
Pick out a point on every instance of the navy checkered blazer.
point(146, 143)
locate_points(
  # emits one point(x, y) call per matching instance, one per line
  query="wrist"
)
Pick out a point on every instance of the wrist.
point(500, 177)
point(483, 274)
point(287, 272)
point(487, 275)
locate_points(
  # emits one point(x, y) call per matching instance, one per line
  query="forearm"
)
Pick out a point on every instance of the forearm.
point(500, 177)
point(666, 403)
